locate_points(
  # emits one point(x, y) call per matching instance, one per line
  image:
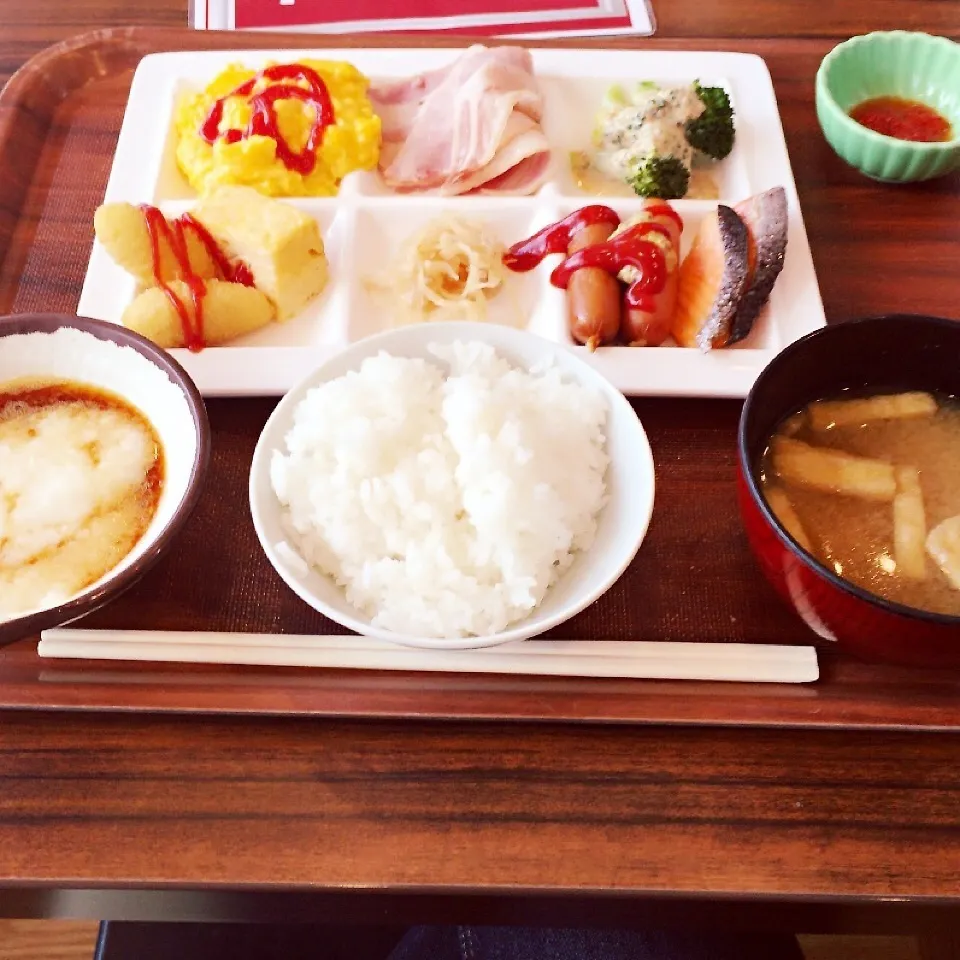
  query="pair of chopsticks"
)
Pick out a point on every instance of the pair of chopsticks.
point(744, 662)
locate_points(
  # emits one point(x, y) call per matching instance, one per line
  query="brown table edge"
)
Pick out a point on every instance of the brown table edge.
point(91, 708)
point(179, 690)
point(588, 907)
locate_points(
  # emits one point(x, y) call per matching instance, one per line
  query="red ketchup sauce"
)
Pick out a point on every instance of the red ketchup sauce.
point(660, 208)
point(527, 254)
point(174, 233)
point(628, 249)
point(263, 119)
point(902, 119)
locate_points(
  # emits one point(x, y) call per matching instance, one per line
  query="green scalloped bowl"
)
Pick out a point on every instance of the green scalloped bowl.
point(900, 64)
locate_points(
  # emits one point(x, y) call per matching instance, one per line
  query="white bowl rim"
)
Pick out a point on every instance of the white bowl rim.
point(474, 331)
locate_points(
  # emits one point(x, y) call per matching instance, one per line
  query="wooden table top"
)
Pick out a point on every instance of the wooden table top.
point(238, 817)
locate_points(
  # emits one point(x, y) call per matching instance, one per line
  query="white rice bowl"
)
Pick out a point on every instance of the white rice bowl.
point(452, 486)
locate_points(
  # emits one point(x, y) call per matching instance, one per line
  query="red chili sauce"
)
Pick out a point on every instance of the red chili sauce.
point(263, 118)
point(174, 233)
point(902, 119)
point(628, 249)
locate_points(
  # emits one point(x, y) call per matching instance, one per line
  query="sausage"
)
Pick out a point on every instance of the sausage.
point(594, 297)
point(649, 328)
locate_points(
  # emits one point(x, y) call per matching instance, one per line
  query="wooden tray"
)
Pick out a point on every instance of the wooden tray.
point(694, 578)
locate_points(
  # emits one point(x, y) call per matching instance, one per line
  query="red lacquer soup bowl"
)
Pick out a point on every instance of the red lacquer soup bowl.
point(882, 354)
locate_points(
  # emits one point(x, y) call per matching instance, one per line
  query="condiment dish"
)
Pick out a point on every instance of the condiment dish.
point(915, 66)
point(53, 348)
point(622, 522)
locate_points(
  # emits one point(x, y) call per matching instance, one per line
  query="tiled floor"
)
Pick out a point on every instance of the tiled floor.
point(64, 940)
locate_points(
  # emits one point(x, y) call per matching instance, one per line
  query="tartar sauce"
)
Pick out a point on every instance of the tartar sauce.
point(631, 126)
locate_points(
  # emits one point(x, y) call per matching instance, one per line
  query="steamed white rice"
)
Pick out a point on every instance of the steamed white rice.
point(444, 505)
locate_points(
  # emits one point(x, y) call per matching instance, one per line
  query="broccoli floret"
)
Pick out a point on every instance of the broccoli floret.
point(663, 177)
point(713, 131)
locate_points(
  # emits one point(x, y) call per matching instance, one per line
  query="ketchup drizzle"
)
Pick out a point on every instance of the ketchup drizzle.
point(631, 248)
point(660, 208)
point(556, 238)
point(628, 249)
point(263, 118)
point(173, 232)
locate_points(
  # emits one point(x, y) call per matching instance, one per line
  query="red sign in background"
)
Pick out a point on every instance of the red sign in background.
point(271, 13)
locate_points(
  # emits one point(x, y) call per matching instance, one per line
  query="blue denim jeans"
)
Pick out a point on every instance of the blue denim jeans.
point(525, 943)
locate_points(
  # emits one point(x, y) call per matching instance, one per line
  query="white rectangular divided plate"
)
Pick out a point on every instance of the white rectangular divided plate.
point(364, 225)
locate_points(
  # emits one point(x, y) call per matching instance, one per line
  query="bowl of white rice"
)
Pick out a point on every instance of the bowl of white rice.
point(452, 485)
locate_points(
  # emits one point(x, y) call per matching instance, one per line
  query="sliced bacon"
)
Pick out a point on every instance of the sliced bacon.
point(465, 127)
point(521, 179)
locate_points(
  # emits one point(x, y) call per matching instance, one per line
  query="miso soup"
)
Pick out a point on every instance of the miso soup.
point(870, 485)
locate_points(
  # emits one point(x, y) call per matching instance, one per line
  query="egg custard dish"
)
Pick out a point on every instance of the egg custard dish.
point(291, 129)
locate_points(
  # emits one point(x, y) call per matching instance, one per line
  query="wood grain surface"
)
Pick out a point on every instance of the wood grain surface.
point(420, 819)
point(424, 808)
point(52, 940)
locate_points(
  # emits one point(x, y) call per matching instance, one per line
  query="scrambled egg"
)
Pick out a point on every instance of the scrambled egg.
point(352, 142)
